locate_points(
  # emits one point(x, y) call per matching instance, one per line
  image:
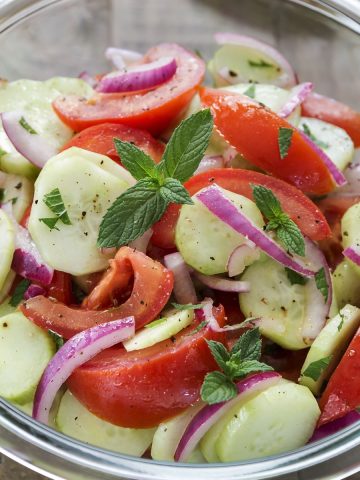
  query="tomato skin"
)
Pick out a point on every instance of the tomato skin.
point(151, 290)
point(253, 130)
point(100, 139)
point(342, 393)
point(152, 111)
point(60, 288)
point(332, 111)
point(142, 388)
point(301, 209)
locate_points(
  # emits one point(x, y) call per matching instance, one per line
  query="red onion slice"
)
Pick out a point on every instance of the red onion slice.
point(223, 284)
point(241, 257)
point(139, 77)
point(32, 146)
point(286, 80)
point(27, 260)
point(77, 351)
point(184, 289)
point(353, 254)
point(316, 309)
point(297, 95)
point(214, 200)
point(141, 243)
point(121, 58)
point(209, 162)
point(209, 415)
point(33, 291)
point(335, 426)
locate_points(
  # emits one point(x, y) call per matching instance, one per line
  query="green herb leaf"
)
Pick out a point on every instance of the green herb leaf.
point(250, 91)
point(284, 140)
point(53, 200)
point(19, 291)
point(187, 306)
point(173, 191)
point(250, 366)
point(219, 352)
point(155, 323)
point(200, 327)
point(260, 64)
point(318, 142)
point(294, 277)
point(136, 210)
point(187, 146)
point(291, 238)
point(249, 344)
point(26, 126)
point(50, 222)
point(266, 202)
point(321, 283)
point(341, 323)
point(135, 160)
point(58, 339)
point(315, 369)
point(217, 388)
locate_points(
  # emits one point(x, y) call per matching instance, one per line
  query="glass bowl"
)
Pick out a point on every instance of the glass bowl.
point(39, 39)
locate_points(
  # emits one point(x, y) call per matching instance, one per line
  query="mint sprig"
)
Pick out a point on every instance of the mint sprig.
point(286, 230)
point(139, 207)
point(235, 364)
point(315, 369)
point(53, 200)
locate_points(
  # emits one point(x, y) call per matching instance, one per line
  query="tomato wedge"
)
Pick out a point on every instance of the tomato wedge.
point(332, 111)
point(152, 111)
point(253, 130)
point(60, 288)
point(140, 389)
point(151, 290)
point(342, 393)
point(100, 139)
point(300, 208)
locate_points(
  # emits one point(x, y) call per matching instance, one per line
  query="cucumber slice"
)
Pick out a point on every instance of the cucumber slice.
point(332, 340)
point(335, 142)
point(168, 434)
point(89, 183)
point(280, 304)
point(350, 231)
point(279, 419)
point(196, 457)
point(346, 284)
point(7, 246)
point(9, 280)
point(25, 350)
point(34, 99)
point(205, 241)
point(19, 190)
point(76, 421)
point(6, 308)
point(161, 329)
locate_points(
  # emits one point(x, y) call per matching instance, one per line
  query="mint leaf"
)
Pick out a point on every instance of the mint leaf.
point(155, 323)
point(200, 327)
point(266, 202)
point(219, 352)
point(318, 142)
point(217, 388)
point(187, 146)
point(284, 140)
point(50, 222)
point(172, 191)
point(26, 126)
point(135, 160)
point(19, 291)
point(249, 345)
point(294, 277)
point(58, 339)
point(53, 200)
point(321, 283)
point(315, 369)
point(132, 214)
point(260, 64)
point(187, 306)
point(341, 323)
point(251, 366)
point(290, 236)
point(250, 91)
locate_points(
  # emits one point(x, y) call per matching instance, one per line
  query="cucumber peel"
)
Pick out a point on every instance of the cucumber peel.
point(7, 246)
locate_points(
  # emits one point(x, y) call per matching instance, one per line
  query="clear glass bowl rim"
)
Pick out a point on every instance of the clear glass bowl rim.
point(345, 12)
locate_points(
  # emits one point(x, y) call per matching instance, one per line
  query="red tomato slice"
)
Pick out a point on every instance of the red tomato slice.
point(254, 130)
point(342, 393)
point(142, 388)
point(300, 208)
point(152, 111)
point(100, 139)
point(332, 111)
point(151, 290)
point(334, 208)
point(60, 288)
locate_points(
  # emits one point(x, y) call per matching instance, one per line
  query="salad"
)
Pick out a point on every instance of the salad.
point(179, 262)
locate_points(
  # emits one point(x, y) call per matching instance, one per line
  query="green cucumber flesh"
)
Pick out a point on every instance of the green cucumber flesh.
point(162, 329)
point(7, 246)
point(279, 419)
point(6, 288)
point(89, 183)
point(204, 241)
point(25, 351)
point(76, 421)
point(331, 341)
point(19, 191)
point(6, 308)
point(346, 284)
point(350, 231)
